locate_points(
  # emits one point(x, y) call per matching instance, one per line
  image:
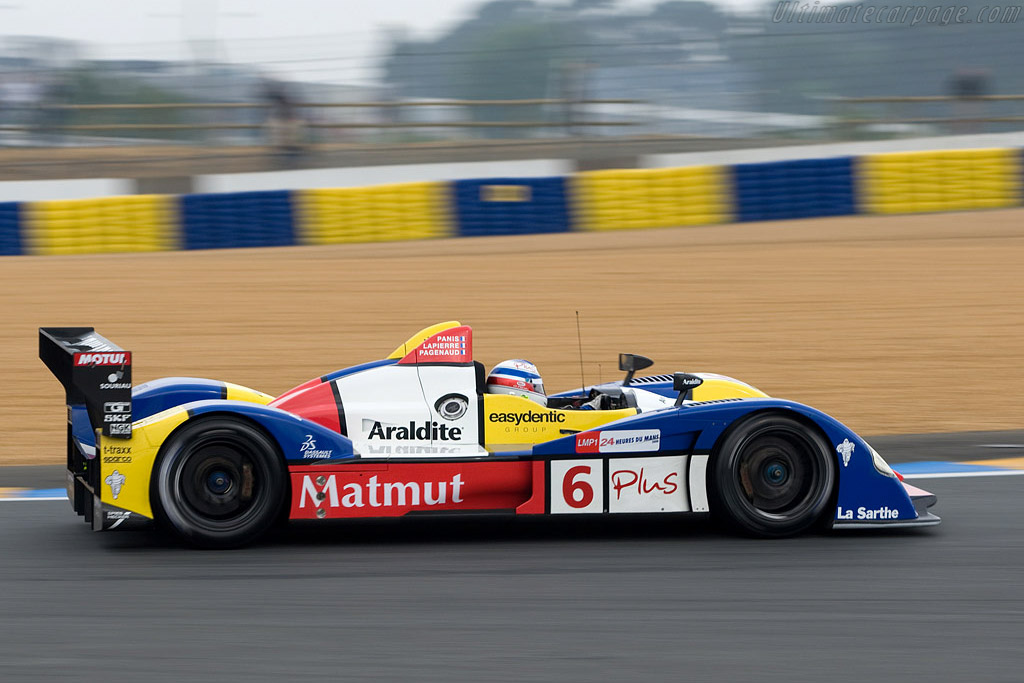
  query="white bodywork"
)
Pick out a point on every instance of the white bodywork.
point(648, 401)
point(392, 411)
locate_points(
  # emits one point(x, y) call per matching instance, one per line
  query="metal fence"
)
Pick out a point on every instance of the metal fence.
point(534, 71)
point(309, 123)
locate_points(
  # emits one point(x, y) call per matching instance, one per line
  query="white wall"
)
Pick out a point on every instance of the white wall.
point(835, 149)
point(35, 190)
point(378, 175)
point(40, 190)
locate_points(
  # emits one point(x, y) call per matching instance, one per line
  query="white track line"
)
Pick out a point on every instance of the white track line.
point(954, 475)
point(929, 475)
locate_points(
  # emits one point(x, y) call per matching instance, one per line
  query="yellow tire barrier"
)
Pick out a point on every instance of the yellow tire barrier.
point(651, 198)
point(107, 224)
point(951, 180)
point(383, 213)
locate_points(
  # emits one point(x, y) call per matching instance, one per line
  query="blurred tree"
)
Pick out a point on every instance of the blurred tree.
point(90, 85)
point(678, 52)
point(512, 49)
point(691, 14)
point(584, 5)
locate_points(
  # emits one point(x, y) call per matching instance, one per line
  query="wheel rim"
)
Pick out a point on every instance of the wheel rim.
point(779, 474)
point(219, 481)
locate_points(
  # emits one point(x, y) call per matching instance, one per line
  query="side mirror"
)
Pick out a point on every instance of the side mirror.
point(629, 363)
point(685, 384)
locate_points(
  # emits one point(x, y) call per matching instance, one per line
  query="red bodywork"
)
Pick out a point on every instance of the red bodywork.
point(396, 489)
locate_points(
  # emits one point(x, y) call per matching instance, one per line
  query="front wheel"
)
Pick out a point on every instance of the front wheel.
point(219, 482)
point(773, 476)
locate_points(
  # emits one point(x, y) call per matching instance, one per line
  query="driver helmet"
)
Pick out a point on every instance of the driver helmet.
point(519, 378)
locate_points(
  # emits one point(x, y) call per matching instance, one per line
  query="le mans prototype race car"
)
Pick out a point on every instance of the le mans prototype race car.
point(418, 432)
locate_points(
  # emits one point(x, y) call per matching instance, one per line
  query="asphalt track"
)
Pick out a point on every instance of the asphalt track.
point(529, 600)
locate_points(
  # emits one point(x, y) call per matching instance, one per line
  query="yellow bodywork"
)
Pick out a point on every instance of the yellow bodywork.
point(512, 420)
point(134, 458)
point(130, 461)
point(509, 421)
point(516, 420)
point(717, 387)
point(236, 392)
point(415, 340)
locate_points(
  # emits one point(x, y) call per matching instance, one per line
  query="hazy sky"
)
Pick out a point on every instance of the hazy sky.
point(121, 21)
point(331, 40)
point(149, 25)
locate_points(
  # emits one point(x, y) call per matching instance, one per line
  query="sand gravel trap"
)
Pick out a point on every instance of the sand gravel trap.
point(894, 325)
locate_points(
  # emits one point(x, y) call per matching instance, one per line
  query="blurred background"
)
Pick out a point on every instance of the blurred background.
point(246, 86)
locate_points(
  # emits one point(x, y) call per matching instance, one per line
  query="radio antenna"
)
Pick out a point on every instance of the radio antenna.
point(579, 341)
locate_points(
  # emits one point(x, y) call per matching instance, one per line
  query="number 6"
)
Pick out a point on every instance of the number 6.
point(570, 487)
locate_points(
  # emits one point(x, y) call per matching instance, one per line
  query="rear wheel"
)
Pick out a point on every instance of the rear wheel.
point(219, 482)
point(773, 476)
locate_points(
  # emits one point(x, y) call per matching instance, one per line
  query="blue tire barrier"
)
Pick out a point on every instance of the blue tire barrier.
point(510, 206)
point(238, 219)
point(794, 189)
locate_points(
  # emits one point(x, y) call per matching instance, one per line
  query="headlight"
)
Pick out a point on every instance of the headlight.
point(880, 464)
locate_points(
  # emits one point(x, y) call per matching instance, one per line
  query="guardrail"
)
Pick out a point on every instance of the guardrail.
point(570, 115)
point(890, 183)
point(970, 110)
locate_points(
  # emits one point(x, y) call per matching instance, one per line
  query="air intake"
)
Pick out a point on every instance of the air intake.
point(694, 404)
point(651, 379)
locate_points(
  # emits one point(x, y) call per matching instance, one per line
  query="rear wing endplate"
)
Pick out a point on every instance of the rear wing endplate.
point(95, 372)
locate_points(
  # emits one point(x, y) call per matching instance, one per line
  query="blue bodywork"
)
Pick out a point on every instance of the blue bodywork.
point(160, 394)
point(82, 431)
point(345, 372)
point(653, 384)
point(693, 428)
point(697, 428)
point(289, 431)
point(167, 392)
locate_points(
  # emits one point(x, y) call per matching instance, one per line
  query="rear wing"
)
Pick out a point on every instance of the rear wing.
point(95, 373)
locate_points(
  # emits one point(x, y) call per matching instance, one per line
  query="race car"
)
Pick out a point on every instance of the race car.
point(426, 431)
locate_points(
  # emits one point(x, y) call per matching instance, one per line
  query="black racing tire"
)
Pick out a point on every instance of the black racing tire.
point(772, 476)
point(219, 482)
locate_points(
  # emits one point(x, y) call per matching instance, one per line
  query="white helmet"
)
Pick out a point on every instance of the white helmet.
point(518, 378)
